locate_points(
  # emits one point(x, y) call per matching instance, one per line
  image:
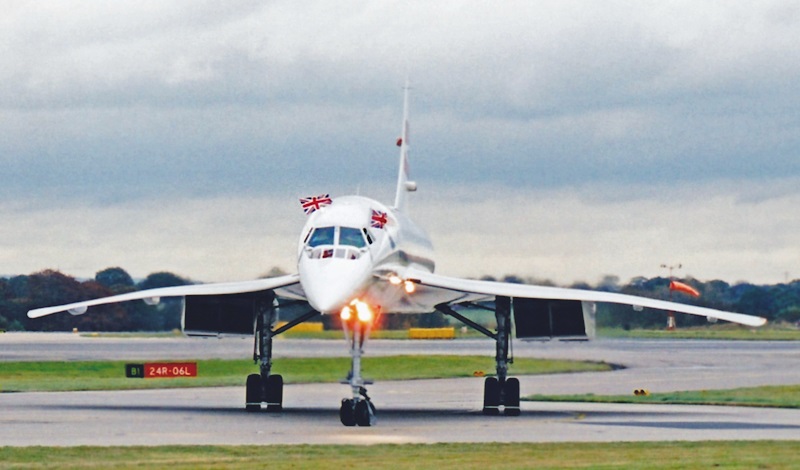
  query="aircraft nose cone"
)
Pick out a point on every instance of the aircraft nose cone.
point(329, 285)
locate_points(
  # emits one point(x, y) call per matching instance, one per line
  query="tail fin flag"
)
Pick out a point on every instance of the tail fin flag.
point(404, 184)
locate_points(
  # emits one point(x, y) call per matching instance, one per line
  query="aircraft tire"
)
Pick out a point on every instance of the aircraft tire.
point(274, 393)
point(491, 396)
point(511, 402)
point(254, 393)
point(347, 412)
point(363, 413)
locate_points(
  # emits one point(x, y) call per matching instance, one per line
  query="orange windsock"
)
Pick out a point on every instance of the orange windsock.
point(685, 288)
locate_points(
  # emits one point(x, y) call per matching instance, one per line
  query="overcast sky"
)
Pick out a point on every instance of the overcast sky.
point(552, 139)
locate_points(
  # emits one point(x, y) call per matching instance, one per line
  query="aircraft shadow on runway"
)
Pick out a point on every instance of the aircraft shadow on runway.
point(404, 414)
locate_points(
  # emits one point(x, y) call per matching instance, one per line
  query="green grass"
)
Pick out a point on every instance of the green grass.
point(377, 334)
point(326, 334)
point(726, 331)
point(135, 334)
point(110, 375)
point(339, 334)
point(640, 455)
point(779, 396)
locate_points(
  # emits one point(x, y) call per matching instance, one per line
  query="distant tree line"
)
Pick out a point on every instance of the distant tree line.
point(18, 294)
point(778, 302)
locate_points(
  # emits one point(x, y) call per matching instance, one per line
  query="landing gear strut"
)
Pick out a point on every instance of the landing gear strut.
point(267, 388)
point(499, 391)
point(359, 409)
point(264, 387)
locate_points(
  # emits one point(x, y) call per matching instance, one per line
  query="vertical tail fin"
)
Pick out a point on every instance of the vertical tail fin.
point(404, 184)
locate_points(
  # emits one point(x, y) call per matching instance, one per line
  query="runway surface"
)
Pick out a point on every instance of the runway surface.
point(424, 411)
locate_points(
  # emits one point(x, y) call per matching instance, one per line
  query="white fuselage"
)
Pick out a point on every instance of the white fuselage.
point(344, 256)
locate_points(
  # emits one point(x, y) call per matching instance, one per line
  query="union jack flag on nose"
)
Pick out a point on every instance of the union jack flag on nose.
point(315, 203)
point(378, 219)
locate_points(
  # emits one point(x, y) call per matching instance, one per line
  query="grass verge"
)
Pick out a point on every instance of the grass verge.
point(293, 334)
point(776, 396)
point(641, 455)
point(719, 332)
point(110, 375)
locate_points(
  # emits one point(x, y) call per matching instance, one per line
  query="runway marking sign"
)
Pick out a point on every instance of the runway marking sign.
point(161, 370)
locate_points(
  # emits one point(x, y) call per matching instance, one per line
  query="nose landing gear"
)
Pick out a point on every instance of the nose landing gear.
point(358, 410)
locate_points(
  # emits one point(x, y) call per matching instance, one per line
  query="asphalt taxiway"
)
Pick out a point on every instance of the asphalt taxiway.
point(423, 411)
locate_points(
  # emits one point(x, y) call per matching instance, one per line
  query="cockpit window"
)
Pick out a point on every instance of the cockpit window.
point(351, 237)
point(321, 236)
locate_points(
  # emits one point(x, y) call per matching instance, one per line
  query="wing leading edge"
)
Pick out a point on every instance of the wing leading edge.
point(289, 283)
point(459, 290)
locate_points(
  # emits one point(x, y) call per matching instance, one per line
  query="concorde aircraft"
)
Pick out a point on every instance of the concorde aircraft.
point(357, 258)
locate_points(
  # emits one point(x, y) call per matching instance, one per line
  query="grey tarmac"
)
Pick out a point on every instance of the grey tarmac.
point(418, 411)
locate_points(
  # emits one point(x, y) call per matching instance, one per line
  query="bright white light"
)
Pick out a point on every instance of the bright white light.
point(395, 280)
point(346, 313)
point(410, 287)
point(364, 312)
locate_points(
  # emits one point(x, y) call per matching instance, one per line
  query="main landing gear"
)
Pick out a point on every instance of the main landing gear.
point(267, 388)
point(358, 410)
point(500, 393)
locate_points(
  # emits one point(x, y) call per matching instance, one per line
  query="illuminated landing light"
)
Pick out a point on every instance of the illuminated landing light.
point(346, 313)
point(363, 311)
point(408, 286)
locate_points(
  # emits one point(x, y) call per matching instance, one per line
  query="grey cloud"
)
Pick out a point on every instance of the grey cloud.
point(124, 100)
